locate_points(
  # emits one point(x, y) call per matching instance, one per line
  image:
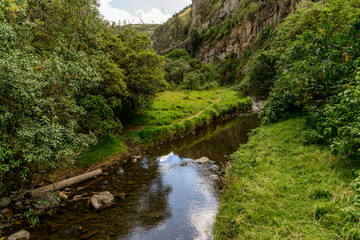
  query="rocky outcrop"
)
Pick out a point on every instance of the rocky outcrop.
point(248, 20)
point(246, 31)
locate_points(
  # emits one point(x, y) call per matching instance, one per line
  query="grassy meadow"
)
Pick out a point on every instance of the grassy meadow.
point(172, 106)
point(172, 114)
point(277, 187)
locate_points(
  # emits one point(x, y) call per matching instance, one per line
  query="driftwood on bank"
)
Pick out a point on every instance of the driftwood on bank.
point(66, 183)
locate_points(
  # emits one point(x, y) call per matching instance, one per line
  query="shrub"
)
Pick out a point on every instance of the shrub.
point(261, 73)
point(193, 80)
point(177, 54)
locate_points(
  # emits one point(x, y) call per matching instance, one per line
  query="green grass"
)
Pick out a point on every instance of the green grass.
point(230, 101)
point(278, 188)
point(172, 106)
point(102, 150)
point(163, 120)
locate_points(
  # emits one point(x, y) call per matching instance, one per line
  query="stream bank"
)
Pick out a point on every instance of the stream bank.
point(154, 191)
point(279, 186)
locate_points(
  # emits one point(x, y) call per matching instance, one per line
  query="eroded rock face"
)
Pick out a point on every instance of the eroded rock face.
point(22, 235)
point(102, 200)
point(244, 33)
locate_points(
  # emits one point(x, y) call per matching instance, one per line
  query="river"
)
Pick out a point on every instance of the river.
point(167, 195)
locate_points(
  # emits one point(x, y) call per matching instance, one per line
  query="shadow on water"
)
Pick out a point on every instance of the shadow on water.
point(163, 200)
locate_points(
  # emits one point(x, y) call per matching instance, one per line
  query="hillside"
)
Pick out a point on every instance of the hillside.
point(218, 29)
point(145, 29)
point(174, 33)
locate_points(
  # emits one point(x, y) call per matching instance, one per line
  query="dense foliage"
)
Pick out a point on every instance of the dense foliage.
point(189, 73)
point(66, 80)
point(317, 53)
point(173, 32)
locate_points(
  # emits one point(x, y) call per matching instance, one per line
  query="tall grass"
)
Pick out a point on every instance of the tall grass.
point(230, 102)
point(276, 187)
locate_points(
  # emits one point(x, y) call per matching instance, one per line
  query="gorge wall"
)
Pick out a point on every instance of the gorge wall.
point(214, 29)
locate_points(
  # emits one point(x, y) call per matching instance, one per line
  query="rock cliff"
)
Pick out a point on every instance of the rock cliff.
point(225, 27)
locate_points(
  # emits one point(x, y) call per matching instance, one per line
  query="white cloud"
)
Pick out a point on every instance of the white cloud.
point(114, 14)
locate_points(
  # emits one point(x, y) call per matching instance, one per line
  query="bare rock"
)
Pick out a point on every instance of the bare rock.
point(4, 202)
point(22, 235)
point(63, 196)
point(102, 200)
point(214, 168)
point(202, 160)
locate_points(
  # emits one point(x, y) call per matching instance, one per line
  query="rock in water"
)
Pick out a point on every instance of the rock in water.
point(6, 215)
point(202, 160)
point(214, 168)
point(22, 235)
point(102, 200)
point(46, 201)
point(63, 196)
point(4, 202)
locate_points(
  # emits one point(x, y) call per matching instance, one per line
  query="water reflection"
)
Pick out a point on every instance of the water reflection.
point(163, 200)
point(192, 202)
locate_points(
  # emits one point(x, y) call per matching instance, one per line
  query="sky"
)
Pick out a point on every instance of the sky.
point(135, 11)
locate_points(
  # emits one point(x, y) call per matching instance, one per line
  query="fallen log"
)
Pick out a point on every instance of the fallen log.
point(66, 183)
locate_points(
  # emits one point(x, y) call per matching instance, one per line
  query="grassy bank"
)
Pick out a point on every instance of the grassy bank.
point(277, 187)
point(172, 106)
point(227, 101)
point(172, 114)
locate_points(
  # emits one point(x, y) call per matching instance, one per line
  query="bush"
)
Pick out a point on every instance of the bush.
point(177, 54)
point(193, 80)
point(317, 73)
point(261, 73)
point(99, 117)
point(338, 122)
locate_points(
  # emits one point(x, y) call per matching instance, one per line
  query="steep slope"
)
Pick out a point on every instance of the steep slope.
point(220, 28)
point(173, 33)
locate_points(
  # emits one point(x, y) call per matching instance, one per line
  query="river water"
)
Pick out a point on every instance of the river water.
point(163, 199)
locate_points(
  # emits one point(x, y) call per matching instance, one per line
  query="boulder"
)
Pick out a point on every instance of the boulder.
point(202, 160)
point(46, 201)
point(102, 200)
point(22, 235)
point(4, 202)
